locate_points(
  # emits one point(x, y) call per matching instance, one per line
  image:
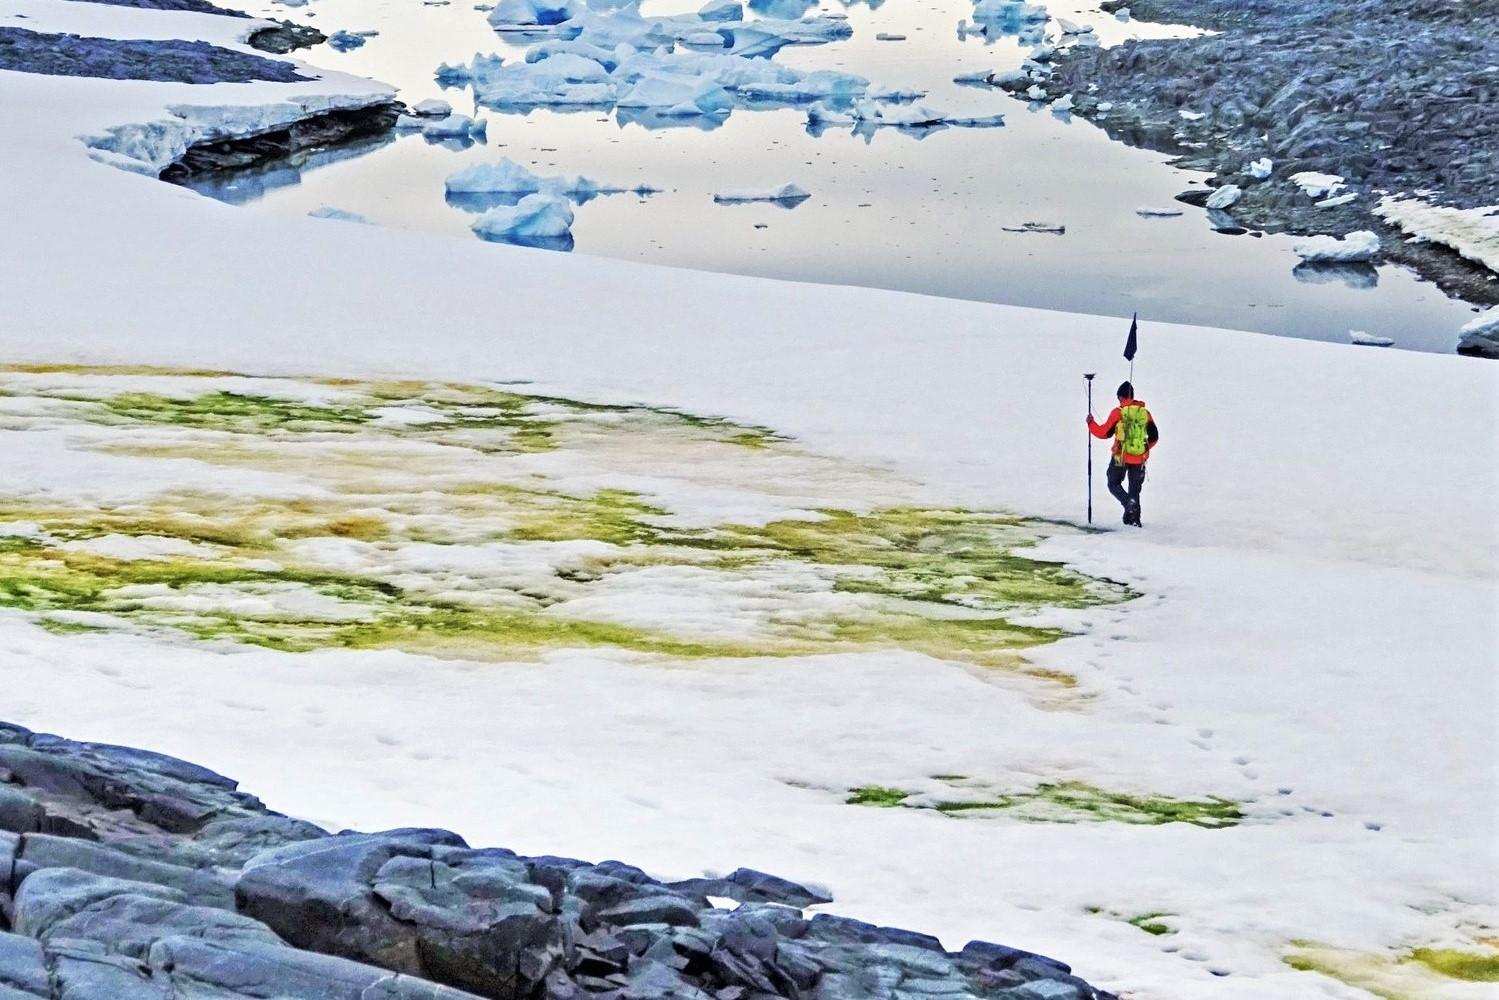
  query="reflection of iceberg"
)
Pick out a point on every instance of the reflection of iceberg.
point(240, 187)
point(786, 10)
point(650, 118)
point(1352, 275)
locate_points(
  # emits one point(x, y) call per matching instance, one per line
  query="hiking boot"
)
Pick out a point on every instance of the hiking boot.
point(1132, 515)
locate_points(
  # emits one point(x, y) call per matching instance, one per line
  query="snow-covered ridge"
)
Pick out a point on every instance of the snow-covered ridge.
point(1472, 232)
point(150, 147)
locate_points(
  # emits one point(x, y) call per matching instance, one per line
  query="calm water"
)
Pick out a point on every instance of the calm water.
point(918, 212)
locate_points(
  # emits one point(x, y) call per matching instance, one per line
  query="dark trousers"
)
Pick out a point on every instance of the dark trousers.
point(1117, 475)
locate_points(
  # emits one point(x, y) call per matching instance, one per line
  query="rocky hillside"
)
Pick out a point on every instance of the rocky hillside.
point(128, 875)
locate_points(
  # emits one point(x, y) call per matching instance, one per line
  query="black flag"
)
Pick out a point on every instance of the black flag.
point(1130, 344)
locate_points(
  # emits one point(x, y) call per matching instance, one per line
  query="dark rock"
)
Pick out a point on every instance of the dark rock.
point(171, 60)
point(285, 37)
point(130, 901)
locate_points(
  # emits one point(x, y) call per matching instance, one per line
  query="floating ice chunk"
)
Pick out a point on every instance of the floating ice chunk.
point(1364, 339)
point(432, 107)
point(974, 76)
point(721, 10)
point(1036, 93)
point(505, 177)
point(784, 193)
point(705, 39)
point(607, 58)
point(1356, 247)
point(1043, 53)
point(1011, 11)
point(894, 95)
point(1064, 103)
point(889, 36)
point(1050, 228)
point(337, 214)
point(1317, 185)
point(1336, 200)
point(450, 75)
point(533, 13)
point(976, 121)
point(343, 41)
point(1072, 27)
point(542, 216)
point(1225, 197)
point(1261, 168)
point(678, 95)
point(454, 127)
point(1149, 212)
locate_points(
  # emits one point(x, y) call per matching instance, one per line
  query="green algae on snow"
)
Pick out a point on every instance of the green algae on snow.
point(1476, 967)
point(1151, 924)
point(945, 583)
point(1065, 802)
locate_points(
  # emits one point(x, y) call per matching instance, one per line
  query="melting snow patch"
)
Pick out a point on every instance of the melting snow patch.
point(1472, 232)
point(1316, 185)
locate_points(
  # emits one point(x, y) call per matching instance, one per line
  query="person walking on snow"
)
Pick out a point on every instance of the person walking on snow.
point(1135, 434)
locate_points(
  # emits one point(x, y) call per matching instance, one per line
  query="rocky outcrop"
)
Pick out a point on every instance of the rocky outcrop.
point(1389, 95)
point(127, 875)
point(319, 131)
point(169, 60)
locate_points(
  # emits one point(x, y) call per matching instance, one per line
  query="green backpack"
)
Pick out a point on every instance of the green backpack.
point(1131, 431)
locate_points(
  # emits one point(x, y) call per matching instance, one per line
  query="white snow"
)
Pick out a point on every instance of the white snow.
point(543, 216)
point(1336, 200)
point(1472, 232)
point(786, 192)
point(1356, 247)
point(1225, 196)
point(1316, 612)
point(1261, 168)
point(1317, 185)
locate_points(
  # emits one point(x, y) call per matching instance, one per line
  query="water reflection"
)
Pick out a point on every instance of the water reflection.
point(241, 187)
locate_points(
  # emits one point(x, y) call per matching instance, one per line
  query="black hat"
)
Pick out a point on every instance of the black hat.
point(1126, 391)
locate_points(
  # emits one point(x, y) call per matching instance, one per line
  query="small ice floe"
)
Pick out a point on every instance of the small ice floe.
point(976, 121)
point(432, 107)
point(895, 95)
point(1073, 28)
point(1043, 53)
point(1036, 93)
point(1261, 168)
point(1063, 103)
point(1336, 200)
point(1225, 197)
point(454, 127)
point(870, 115)
point(1009, 12)
point(1316, 185)
point(509, 177)
point(1150, 212)
point(705, 40)
point(889, 36)
point(343, 41)
point(536, 216)
point(1049, 228)
point(337, 214)
point(721, 10)
point(974, 76)
point(785, 194)
point(1355, 248)
point(1363, 339)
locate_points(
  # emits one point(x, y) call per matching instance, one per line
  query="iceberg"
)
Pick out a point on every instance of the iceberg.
point(784, 193)
point(537, 216)
point(532, 13)
point(679, 95)
point(343, 41)
point(507, 177)
point(721, 10)
point(432, 107)
point(1355, 248)
point(454, 127)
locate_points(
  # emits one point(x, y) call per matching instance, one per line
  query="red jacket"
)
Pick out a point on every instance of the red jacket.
point(1106, 429)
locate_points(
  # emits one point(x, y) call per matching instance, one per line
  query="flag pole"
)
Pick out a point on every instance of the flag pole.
point(1088, 377)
